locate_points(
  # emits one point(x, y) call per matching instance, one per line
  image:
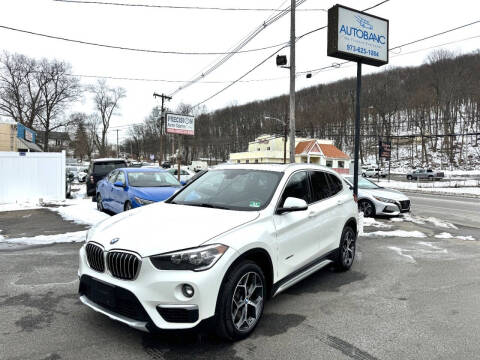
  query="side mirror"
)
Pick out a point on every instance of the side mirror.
point(119, 184)
point(293, 204)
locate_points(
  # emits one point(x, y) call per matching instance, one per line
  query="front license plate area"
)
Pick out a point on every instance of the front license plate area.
point(103, 294)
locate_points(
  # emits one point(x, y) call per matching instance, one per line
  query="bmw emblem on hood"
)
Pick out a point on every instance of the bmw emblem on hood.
point(114, 240)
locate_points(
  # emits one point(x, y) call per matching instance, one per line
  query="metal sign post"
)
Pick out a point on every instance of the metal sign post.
point(181, 125)
point(357, 36)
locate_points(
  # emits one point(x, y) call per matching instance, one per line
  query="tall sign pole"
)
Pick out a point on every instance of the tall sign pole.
point(292, 81)
point(357, 130)
point(357, 36)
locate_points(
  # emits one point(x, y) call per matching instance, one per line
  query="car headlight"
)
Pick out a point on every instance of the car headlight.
point(143, 201)
point(385, 200)
point(197, 259)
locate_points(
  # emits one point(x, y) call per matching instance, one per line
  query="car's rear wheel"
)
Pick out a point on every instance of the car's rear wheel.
point(367, 208)
point(409, 177)
point(127, 206)
point(240, 301)
point(100, 203)
point(346, 253)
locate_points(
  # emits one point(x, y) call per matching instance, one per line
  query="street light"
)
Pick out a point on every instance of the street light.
point(285, 134)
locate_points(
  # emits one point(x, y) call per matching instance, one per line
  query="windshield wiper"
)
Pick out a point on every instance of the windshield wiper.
point(207, 205)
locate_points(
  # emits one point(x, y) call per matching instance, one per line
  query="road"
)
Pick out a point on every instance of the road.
point(457, 210)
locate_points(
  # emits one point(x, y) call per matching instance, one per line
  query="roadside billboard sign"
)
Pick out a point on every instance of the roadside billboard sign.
point(357, 36)
point(180, 124)
point(385, 149)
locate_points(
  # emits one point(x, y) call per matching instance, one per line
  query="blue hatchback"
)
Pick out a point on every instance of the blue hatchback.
point(127, 188)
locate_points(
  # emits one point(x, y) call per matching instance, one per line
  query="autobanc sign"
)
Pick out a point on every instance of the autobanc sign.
point(356, 36)
point(180, 124)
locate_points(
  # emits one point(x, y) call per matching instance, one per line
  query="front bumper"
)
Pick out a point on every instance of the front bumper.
point(391, 209)
point(154, 300)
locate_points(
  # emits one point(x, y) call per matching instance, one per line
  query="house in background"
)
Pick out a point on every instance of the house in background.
point(57, 141)
point(270, 149)
point(17, 137)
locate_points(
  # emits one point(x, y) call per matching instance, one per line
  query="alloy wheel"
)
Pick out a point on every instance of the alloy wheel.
point(366, 207)
point(247, 301)
point(348, 248)
point(99, 203)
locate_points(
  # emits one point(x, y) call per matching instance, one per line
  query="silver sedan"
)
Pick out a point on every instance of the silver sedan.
point(376, 200)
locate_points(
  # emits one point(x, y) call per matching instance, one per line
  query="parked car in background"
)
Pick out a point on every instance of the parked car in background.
point(237, 236)
point(127, 188)
point(166, 165)
point(197, 166)
point(185, 174)
point(375, 200)
point(373, 172)
point(82, 175)
point(69, 176)
point(427, 174)
point(97, 171)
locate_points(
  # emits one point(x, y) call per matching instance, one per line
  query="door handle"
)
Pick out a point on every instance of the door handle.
point(312, 214)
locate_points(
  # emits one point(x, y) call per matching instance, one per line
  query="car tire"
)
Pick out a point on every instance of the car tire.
point(364, 175)
point(235, 304)
point(367, 207)
point(100, 203)
point(127, 206)
point(346, 250)
point(409, 177)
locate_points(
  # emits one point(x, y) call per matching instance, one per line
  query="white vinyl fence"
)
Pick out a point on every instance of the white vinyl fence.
point(31, 176)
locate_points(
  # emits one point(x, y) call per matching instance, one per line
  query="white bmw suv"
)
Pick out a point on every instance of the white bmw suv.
point(217, 249)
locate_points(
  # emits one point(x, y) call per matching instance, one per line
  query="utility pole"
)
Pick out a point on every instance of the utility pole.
point(292, 81)
point(117, 145)
point(162, 121)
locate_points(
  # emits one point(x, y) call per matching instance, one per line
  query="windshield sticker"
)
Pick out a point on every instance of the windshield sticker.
point(255, 204)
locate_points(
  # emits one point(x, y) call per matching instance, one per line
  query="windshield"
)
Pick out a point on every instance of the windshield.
point(105, 168)
point(362, 183)
point(233, 189)
point(151, 179)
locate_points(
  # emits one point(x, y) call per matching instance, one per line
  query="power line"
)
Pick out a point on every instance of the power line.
point(117, 47)
point(270, 20)
point(270, 56)
point(337, 65)
point(176, 6)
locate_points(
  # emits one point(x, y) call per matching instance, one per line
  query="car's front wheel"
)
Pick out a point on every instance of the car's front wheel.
point(409, 177)
point(127, 206)
point(240, 301)
point(367, 208)
point(100, 203)
point(346, 253)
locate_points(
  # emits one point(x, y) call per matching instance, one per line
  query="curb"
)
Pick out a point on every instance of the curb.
point(468, 196)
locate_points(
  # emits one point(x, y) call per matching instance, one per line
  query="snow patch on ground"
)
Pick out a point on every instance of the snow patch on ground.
point(401, 251)
point(397, 233)
point(77, 236)
point(446, 235)
point(469, 187)
point(374, 223)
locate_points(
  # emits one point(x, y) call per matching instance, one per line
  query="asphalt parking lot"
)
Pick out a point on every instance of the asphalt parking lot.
point(405, 298)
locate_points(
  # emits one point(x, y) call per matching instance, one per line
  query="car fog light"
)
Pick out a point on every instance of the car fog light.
point(187, 290)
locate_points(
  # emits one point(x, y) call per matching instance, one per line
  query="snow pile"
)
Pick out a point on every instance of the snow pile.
point(401, 251)
point(84, 212)
point(432, 186)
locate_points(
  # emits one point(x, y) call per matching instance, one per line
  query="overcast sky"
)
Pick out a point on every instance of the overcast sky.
point(215, 31)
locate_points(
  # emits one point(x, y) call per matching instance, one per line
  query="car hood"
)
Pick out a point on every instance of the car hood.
point(159, 228)
point(385, 193)
point(159, 193)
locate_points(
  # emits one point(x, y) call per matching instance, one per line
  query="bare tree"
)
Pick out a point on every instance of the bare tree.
point(106, 101)
point(57, 90)
point(20, 88)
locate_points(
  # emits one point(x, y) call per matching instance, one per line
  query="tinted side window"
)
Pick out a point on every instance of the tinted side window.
point(296, 187)
point(335, 184)
point(319, 185)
